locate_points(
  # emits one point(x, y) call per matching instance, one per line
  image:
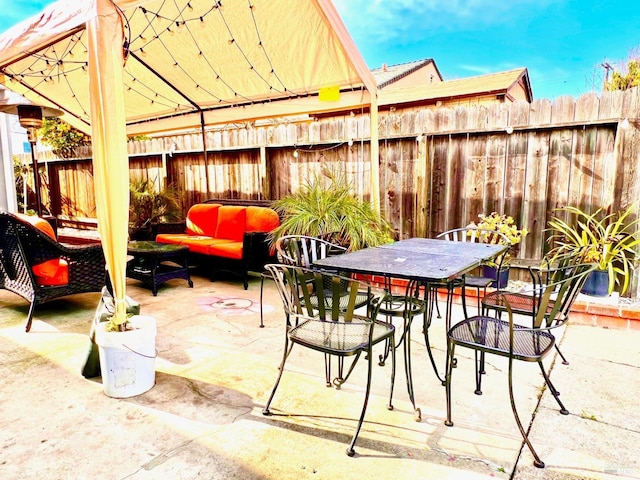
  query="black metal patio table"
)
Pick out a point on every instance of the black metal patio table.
point(421, 260)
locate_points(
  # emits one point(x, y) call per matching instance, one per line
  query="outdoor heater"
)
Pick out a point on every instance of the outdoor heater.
point(30, 116)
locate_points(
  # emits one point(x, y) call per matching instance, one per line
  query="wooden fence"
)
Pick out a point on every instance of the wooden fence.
point(439, 168)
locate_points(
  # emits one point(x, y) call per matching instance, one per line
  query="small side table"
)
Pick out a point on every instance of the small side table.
point(154, 263)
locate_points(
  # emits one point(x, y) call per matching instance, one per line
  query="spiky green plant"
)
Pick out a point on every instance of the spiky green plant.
point(610, 241)
point(326, 207)
point(149, 204)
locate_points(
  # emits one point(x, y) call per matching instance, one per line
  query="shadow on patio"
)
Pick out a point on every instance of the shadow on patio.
point(215, 369)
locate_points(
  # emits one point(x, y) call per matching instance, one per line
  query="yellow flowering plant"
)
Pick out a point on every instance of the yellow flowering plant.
point(501, 223)
point(610, 241)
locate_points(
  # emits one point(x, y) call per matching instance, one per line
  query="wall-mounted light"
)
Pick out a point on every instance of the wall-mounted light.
point(295, 153)
point(509, 130)
point(625, 124)
point(419, 138)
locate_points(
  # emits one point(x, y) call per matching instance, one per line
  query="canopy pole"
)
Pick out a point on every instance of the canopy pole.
point(375, 153)
point(204, 149)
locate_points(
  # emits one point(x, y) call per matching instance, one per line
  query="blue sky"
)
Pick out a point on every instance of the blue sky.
point(562, 42)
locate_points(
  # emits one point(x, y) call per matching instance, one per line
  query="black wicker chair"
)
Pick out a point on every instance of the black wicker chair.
point(22, 246)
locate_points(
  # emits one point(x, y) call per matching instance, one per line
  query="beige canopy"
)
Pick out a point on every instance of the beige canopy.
point(118, 67)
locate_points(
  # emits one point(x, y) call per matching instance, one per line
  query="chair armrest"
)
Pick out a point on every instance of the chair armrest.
point(170, 227)
point(256, 251)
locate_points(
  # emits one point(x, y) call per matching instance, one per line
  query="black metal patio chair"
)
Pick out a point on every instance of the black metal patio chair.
point(478, 235)
point(300, 250)
point(315, 320)
point(32, 264)
point(523, 304)
point(529, 343)
point(303, 251)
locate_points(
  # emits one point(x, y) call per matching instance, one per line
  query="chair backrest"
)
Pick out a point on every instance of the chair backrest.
point(15, 272)
point(312, 294)
point(476, 235)
point(556, 288)
point(303, 251)
point(36, 245)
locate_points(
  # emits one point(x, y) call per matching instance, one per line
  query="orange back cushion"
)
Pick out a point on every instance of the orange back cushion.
point(202, 219)
point(261, 219)
point(40, 223)
point(231, 222)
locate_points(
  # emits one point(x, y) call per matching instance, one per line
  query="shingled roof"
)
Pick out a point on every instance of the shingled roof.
point(388, 74)
point(494, 83)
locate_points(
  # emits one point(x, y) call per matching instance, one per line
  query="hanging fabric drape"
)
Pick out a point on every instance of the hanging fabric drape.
point(109, 140)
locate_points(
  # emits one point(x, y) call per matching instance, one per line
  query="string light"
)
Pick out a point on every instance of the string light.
point(57, 62)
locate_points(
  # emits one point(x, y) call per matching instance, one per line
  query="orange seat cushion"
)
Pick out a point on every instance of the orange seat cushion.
point(202, 244)
point(174, 238)
point(52, 272)
point(231, 222)
point(227, 250)
point(261, 219)
point(202, 219)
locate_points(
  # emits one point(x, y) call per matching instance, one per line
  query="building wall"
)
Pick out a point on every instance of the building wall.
point(422, 76)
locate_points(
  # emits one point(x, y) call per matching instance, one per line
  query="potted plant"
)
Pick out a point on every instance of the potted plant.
point(148, 205)
point(506, 225)
point(325, 207)
point(610, 241)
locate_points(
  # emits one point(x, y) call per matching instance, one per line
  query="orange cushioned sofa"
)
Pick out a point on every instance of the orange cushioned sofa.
point(232, 237)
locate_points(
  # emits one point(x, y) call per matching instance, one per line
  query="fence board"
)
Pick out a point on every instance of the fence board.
point(560, 152)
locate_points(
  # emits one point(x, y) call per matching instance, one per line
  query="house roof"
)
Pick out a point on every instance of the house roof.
point(388, 74)
point(494, 83)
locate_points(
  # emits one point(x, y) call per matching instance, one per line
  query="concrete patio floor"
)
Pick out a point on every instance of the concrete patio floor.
point(214, 371)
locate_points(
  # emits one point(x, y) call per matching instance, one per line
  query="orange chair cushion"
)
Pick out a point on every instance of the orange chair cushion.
point(231, 222)
point(202, 244)
point(227, 250)
point(40, 223)
point(52, 272)
point(261, 219)
point(202, 219)
point(174, 238)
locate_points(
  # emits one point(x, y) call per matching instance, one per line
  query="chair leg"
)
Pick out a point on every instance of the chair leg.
point(479, 363)
point(287, 351)
point(350, 450)
point(537, 462)
point(339, 380)
point(393, 376)
point(261, 296)
point(448, 370)
point(553, 390)
point(32, 308)
point(564, 360)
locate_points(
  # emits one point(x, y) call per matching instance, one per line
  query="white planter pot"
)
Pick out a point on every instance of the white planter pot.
point(127, 359)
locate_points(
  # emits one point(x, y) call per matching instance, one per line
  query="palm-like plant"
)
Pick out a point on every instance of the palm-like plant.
point(325, 207)
point(610, 241)
point(148, 205)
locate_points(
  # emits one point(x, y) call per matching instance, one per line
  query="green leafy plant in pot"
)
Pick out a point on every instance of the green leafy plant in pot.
point(149, 205)
point(610, 241)
point(325, 207)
